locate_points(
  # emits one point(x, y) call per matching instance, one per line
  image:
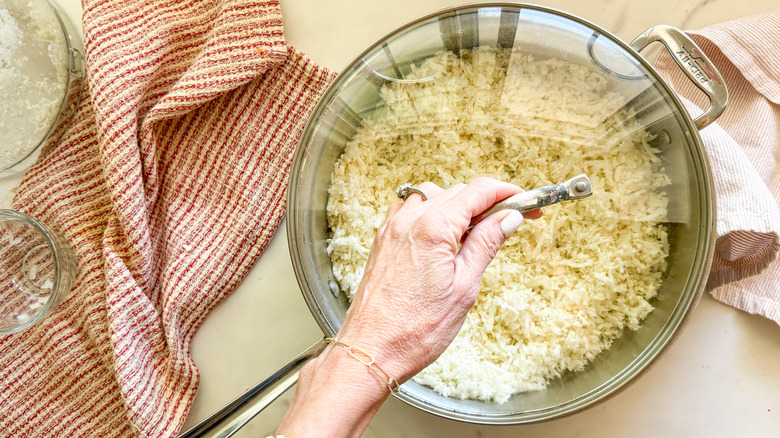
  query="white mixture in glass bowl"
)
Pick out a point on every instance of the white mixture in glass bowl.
point(33, 76)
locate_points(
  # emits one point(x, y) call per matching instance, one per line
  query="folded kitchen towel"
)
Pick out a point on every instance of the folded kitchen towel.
point(169, 184)
point(744, 151)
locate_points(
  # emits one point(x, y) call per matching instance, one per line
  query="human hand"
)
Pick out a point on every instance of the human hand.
point(419, 284)
point(421, 279)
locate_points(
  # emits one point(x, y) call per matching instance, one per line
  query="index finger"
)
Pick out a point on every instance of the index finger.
point(478, 196)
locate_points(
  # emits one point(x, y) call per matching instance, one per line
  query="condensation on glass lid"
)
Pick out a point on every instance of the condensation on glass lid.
point(33, 76)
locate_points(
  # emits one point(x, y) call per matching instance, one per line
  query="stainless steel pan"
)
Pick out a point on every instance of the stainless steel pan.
point(538, 31)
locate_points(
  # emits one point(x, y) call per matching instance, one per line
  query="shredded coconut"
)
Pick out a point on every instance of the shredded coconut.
point(563, 287)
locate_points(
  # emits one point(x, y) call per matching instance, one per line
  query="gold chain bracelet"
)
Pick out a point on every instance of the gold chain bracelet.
point(367, 360)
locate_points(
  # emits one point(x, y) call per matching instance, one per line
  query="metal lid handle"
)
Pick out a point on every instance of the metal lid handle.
point(578, 187)
point(694, 63)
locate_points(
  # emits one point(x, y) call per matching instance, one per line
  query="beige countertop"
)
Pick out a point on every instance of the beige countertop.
point(719, 379)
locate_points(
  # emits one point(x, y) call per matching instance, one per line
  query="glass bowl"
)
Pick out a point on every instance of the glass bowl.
point(37, 270)
point(41, 72)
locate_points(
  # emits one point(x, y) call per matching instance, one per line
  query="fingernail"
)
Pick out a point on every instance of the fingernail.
point(510, 223)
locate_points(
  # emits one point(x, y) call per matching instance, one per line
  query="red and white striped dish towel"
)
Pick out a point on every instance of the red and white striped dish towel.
point(169, 184)
point(744, 151)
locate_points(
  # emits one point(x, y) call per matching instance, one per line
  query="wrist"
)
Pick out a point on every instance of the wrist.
point(401, 356)
point(367, 359)
point(335, 370)
point(336, 395)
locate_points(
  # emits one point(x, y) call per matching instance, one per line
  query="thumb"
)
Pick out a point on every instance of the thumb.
point(483, 242)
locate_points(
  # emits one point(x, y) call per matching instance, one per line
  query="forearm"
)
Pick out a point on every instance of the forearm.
point(336, 396)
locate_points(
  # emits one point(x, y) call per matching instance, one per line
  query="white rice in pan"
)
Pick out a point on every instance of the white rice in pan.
point(563, 287)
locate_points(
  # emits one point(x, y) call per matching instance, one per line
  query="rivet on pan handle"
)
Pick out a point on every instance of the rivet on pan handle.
point(694, 63)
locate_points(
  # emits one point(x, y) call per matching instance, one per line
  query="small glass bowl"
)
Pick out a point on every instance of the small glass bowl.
point(37, 270)
point(41, 75)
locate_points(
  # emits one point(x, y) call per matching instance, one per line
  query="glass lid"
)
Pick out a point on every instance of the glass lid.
point(577, 302)
point(481, 82)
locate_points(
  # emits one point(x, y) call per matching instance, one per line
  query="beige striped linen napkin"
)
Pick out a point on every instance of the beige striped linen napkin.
point(744, 151)
point(169, 184)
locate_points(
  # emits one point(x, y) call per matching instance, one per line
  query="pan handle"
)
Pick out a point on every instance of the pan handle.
point(228, 420)
point(694, 63)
